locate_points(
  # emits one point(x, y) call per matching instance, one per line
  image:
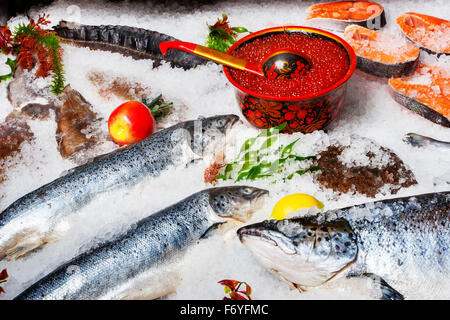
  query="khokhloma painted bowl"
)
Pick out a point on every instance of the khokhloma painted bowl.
point(304, 113)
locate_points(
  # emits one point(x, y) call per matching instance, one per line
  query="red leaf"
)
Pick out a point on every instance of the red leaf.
point(236, 296)
point(234, 293)
point(3, 278)
point(3, 275)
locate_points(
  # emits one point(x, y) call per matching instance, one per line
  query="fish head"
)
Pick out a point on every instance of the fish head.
point(206, 133)
point(237, 202)
point(302, 251)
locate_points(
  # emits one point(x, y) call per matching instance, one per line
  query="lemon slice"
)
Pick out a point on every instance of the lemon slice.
point(293, 202)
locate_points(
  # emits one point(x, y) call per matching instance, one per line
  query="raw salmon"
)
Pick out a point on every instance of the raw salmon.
point(380, 53)
point(426, 92)
point(338, 15)
point(430, 33)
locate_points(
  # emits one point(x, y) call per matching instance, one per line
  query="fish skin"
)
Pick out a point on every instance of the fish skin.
point(130, 41)
point(153, 241)
point(417, 140)
point(27, 223)
point(405, 239)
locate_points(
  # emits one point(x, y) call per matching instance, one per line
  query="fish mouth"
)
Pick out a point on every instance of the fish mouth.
point(246, 232)
point(234, 119)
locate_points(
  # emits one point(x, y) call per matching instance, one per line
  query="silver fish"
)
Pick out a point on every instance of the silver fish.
point(405, 239)
point(417, 140)
point(154, 241)
point(31, 221)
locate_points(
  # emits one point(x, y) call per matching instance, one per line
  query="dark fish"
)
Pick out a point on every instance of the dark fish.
point(405, 239)
point(153, 242)
point(30, 221)
point(135, 42)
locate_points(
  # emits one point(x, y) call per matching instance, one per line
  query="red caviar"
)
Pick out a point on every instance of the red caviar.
point(328, 59)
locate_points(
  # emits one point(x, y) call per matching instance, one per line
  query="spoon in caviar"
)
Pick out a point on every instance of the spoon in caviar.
point(280, 64)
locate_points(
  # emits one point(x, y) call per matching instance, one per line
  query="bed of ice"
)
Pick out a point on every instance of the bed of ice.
point(369, 111)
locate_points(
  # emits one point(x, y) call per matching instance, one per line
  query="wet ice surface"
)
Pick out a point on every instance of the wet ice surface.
point(369, 111)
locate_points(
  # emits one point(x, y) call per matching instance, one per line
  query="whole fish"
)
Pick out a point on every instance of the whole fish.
point(154, 241)
point(30, 221)
point(130, 41)
point(405, 239)
point(417, 140)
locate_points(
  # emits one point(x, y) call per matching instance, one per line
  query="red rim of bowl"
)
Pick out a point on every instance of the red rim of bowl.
point(350, 52)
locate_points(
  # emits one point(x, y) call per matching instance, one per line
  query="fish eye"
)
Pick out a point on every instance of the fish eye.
point(246, 190)
point(221, 122)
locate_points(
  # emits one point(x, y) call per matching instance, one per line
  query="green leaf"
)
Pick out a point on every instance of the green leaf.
point(247, 165)
point(276, 165)
point(266, 144)
point(288, 148)
point(221, 176)
point(158, 108)
point(301, 172)
point(266, 168)
point(253, 172)
point(250, 156)
point(222, 33)
point(241, 176)
point(239, 29)
point(271, 131)
point(298, 158)
point(247, 144)
point(12, 65)
point(153, 102)
point(228, 168)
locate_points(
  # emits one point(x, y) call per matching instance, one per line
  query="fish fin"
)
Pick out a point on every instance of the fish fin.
point(211, 230)
point(24, 247)
point(291, 284)
point(387, 292)
point(300, 288)
point(25, 243)
point(19, 244)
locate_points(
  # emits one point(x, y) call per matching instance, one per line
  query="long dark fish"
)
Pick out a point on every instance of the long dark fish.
point(153, 242)
point(29, 222)
point(404, 239)
point(135, 42)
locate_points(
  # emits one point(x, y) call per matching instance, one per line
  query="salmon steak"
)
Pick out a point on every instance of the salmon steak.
point(380, 53)
point(337, 15)
point(426, 92)
point(430, 33)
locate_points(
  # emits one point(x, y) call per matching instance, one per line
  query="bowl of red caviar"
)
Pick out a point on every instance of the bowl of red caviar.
point(306, 103)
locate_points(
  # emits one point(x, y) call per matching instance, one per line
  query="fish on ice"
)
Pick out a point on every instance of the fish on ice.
point(407, 239)
point(32, 220)
point(154, 242)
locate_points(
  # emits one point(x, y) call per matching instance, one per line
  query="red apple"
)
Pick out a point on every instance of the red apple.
point(130, 122)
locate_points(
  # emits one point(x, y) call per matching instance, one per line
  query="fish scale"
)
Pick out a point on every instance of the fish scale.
point(130, 41)
point(401, 234)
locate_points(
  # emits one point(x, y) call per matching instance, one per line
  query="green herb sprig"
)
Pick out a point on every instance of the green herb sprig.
point(251, 163)
point(157, 107)
point(221, 36)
